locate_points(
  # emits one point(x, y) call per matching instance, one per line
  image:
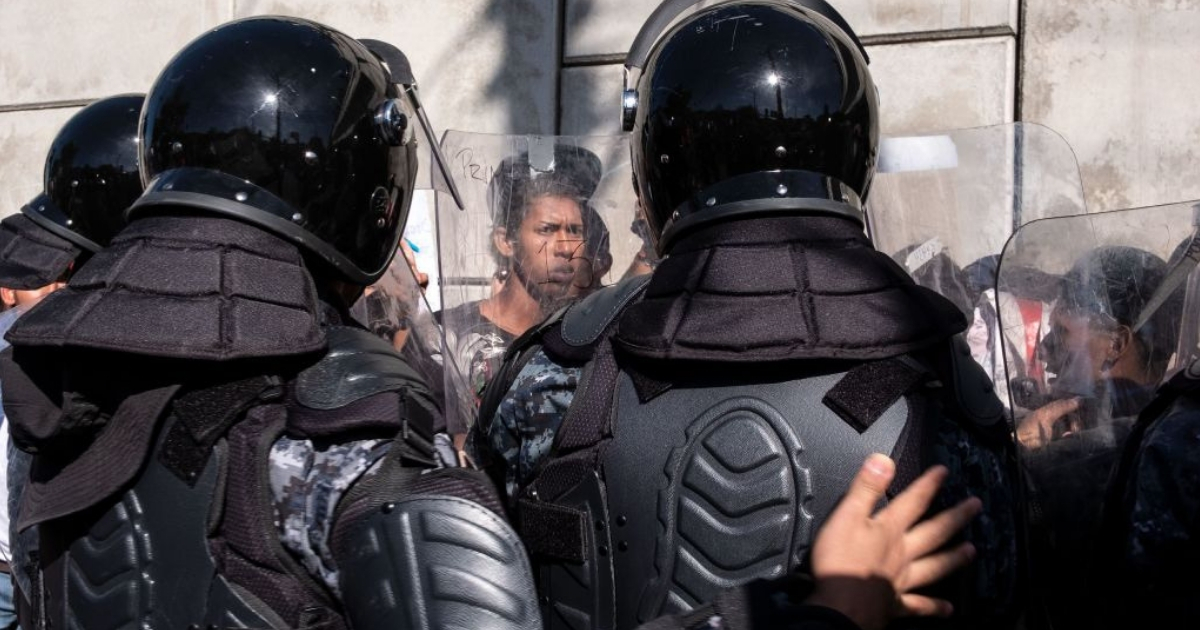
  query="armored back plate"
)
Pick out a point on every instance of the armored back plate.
point(142, 561)
point(711, 488)
point(576, 596)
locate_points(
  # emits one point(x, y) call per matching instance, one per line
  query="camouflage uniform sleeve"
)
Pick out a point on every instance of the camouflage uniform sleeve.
point(1164, 510)
point(980, 471)
point(523, 429)
point(307, 482)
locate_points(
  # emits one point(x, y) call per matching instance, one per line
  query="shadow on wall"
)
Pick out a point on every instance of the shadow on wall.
point(522, 23)
point(522, 26)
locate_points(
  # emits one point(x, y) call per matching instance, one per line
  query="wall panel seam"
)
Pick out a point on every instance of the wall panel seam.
point(33, 107)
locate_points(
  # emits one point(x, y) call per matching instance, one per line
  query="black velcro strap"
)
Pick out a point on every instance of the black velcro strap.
point(559, 475)
point(419, 417)
point(203, 417)
point(910, 448)
point(553, 531)
point(866, 391)
point(588, 420)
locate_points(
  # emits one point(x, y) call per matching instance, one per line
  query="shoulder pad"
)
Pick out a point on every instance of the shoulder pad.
point(357, 365)
point(972, 389)
point(587, 319)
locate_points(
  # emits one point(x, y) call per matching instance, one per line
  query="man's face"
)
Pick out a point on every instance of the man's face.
point(26, 299)
point(1076, 349)
point(548, 253)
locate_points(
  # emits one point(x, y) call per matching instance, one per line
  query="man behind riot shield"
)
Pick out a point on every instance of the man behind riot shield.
point(549, 247)
point(1110, 339)
point(684, 433)
point(945, 203)
point(542, 226)
point(216, 443)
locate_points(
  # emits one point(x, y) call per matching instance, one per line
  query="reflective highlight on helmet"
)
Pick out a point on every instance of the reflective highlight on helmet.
point(302, 115)
point(773, 88)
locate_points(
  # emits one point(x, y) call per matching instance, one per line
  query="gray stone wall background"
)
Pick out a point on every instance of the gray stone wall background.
point(1114, 77)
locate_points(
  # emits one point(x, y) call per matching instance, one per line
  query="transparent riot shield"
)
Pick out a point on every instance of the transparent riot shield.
point(397, 310)
point(547, 221)
point(1113, 286)
point(943, 205)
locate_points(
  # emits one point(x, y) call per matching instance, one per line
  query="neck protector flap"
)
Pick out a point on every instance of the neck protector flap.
point(31, 256)
point(184, 287)
point(783, 288)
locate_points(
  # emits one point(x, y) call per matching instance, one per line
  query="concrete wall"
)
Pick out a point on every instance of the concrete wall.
point(939, 64)
point(1113, 76)
point(1118, 79)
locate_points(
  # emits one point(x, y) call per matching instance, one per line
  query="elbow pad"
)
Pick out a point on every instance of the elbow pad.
point(436, 562)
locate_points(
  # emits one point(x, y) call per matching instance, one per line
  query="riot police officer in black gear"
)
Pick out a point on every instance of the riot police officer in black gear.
point(217, 445)
point(686, 432)
point(90, 178)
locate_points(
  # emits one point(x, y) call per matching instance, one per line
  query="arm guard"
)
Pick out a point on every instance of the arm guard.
point(432, 562)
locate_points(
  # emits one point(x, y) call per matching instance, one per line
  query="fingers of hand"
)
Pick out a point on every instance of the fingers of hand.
point(868, 486)
point(1035, 430)
point(910, 505)
point(1053, 412)
point(921, 606)
point(929, 535)
point(932, 568)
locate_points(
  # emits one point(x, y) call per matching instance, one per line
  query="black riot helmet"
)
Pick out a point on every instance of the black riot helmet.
point(91, 174)
point(91, 178)
point(294, 127)
point(747, 107)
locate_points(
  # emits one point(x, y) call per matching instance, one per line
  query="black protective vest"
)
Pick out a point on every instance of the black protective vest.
point(143, 562)
point(192, 541)
point(674, 478)
point(151, 391)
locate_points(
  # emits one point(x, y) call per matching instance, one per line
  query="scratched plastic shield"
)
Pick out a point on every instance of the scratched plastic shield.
point(397, 310)
point(548, 220)
point(944, 204)
point(1112, 287)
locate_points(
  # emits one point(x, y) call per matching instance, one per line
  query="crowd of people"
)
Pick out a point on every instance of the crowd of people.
point(227, 403)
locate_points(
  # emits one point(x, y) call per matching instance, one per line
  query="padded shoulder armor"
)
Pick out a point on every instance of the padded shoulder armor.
point(585, 321)
point(357, 365)
point(974, 392)
point(437, 562)
point(568, 336)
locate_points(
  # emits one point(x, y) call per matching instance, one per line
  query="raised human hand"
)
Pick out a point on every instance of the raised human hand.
point(867, 564)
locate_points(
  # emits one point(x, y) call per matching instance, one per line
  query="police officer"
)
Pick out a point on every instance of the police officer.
point(686, 432)
point(1144, 570)
point(217, 444)
point(90, 178)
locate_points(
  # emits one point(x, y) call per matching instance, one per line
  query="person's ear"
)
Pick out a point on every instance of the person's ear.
point(1121, 342)
point(8, 296)
point(500, 240)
